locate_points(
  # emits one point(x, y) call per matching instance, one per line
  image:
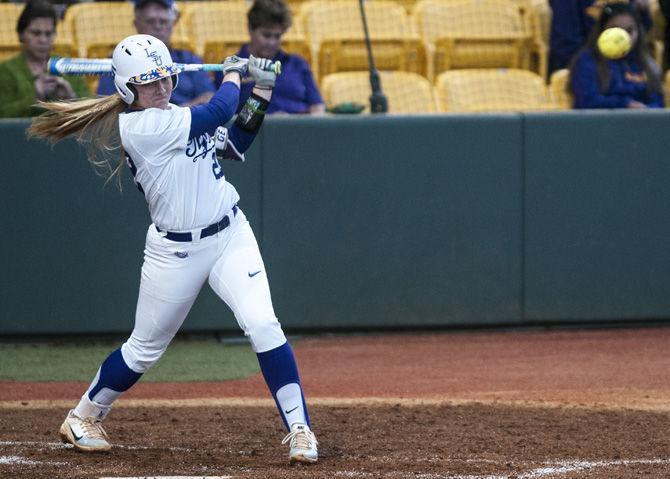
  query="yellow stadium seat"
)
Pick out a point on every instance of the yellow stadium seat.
point(294, 40)
point(9, 39)
point(558, 89)
point(64, 45)
point(492, 90)
point(406, 92)
point(536, 16)
point(99, 26)
point(666, 89)
point(296, 5)
point(543, 12)
point(407, 4)
point(473, 34)
point(203, 27)
point(335, 33)
point(218, 28)
point(181, 37)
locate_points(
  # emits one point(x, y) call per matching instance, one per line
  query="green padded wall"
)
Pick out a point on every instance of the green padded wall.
point(369, 222)
point(393, 221)
point(597, 235)
point(72, 249)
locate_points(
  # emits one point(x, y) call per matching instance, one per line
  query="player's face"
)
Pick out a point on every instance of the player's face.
point(155, 20)
point(266, 41)
point(628, 23)
point(38, 38)
point(155, 94)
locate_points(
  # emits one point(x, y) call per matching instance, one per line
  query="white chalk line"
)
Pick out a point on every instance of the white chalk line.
point(11, 460)
point(60, 445)
point(548, 469)
point(551, 469)
point(17, 460)
point(566, 467)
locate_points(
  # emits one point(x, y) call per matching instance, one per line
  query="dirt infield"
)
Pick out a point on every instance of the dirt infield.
point(476, 405)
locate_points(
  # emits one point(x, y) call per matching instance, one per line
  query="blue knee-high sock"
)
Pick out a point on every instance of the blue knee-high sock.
point(114, 375)
point(279, 369)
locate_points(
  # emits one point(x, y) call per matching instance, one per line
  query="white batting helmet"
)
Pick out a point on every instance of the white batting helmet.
point(141, 59)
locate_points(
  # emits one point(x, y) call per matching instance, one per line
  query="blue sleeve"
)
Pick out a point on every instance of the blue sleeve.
point(217, 111)
point(585, 88)
point(106, 85)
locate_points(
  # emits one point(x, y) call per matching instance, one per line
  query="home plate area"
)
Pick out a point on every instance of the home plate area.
point(384, 439)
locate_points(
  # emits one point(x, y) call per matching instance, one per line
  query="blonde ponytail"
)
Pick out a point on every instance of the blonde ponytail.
point(95, 125)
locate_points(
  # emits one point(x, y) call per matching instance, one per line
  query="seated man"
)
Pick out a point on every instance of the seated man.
point(295, 90)
point(157, 18)
point(23, 78)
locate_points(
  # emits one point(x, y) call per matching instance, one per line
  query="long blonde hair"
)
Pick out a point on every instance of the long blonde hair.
point(93, 122)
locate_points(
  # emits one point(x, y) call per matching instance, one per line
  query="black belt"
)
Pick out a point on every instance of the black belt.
point(204, 233)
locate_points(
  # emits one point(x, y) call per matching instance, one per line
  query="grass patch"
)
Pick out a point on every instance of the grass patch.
point(184, 360)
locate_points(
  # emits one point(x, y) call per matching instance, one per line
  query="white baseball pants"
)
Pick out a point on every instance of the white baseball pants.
point(173, 274)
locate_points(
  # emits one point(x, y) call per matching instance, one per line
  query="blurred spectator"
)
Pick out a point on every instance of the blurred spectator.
point(295, 90)
point(23, 78)
point(633, 81)
point(571, 23)
point(157, 18)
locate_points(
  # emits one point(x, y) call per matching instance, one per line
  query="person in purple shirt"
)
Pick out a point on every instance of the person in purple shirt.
point(157, 18)
point(633, 81)
point(295, 90)
point(571, 23)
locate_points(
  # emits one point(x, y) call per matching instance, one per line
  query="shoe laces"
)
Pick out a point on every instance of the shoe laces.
point(301, 438)
point(93, 428)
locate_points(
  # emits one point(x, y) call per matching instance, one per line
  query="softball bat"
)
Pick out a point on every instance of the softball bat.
point(103, 66)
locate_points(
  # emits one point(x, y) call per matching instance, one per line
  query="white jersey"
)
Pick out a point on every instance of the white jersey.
point(181, 179)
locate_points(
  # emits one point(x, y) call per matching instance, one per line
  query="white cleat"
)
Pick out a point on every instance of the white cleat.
point(303, 444)
point(84, 434)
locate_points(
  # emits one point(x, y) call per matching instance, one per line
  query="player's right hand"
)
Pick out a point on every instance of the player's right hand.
point(260, 69)
point(235, 64)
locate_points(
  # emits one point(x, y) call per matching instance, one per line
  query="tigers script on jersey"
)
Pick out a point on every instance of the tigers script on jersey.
point(181, 179)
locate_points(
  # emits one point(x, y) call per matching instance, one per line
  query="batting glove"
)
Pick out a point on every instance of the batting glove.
point(235, 64)
point(262, 71)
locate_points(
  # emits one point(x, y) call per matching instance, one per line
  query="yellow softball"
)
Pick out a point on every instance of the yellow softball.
point(614, 43)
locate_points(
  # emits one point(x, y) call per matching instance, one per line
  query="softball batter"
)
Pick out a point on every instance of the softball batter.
point(197, 233)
